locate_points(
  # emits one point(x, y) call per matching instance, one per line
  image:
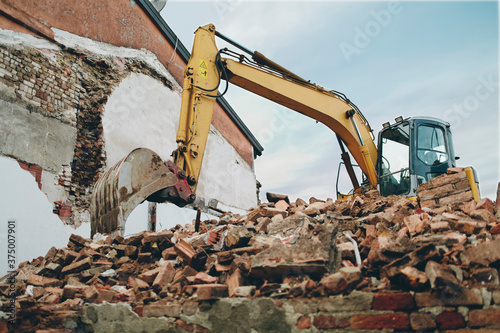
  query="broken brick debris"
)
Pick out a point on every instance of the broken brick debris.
point(406, 256)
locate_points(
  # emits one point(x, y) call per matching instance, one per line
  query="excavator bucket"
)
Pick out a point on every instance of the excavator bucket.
point(127, 184)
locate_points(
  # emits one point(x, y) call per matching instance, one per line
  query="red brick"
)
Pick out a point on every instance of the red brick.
point(485, 203)
point(462, 185)
point(160, 310)
point(89, 293)
point(77, 266)
point(465, 297)
point(483, 215)
point(495, 230)
point(233, 281)
point(165, 275)
point(179, 323)
point(43, 281)
point(437, 192)
point(447, 179)
point(150, 237)
point(71, 291)
point(169, 254)
point(456, 198)
point(139, 309)
point(468, 207)
point(77, 239)
point(488, 317)
point(401, 301)
point(23, 166)
point(467, 227)
point(105, 296)
point(304, 322)
point(428, 203)
point(211, 291)
point(202, 278)
point(281, 205)
point(64, 211)
point(440, 226)
point(329, 322)
point(149, 276)
point(483, 254)
point(396, 320)
point(450, 320)
point(201, 329)
point(184, 250)
point(422, 321)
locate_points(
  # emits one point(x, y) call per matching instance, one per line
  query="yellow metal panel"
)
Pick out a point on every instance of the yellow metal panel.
point(473, 183)
point(200, 84)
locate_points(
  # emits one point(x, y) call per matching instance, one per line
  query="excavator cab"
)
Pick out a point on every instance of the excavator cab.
point(411, 152)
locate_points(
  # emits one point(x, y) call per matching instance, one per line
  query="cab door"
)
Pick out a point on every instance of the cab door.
point(432, 149)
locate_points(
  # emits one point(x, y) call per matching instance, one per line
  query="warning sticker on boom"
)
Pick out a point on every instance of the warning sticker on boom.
point(202, 68)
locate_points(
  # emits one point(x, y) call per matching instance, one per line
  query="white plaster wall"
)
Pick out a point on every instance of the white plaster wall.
point(142, 112)
point(225, 175)
point(37, 228)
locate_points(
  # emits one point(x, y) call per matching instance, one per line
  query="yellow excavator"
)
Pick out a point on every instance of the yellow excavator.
point(410, 151)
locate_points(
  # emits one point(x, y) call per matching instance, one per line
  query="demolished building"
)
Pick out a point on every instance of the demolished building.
point(83, 84)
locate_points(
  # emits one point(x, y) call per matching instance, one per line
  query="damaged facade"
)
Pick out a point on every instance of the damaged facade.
point(368, 263)
point(84, 84)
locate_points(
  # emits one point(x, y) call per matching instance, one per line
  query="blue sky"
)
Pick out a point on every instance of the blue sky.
point(390, 58)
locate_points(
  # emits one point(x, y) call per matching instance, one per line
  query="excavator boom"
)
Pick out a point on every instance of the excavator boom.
point(203, 76)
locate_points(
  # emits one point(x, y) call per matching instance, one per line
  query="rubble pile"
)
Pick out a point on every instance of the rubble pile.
point(386, 246)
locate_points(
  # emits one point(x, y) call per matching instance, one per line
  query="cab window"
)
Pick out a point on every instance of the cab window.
point(431, 145)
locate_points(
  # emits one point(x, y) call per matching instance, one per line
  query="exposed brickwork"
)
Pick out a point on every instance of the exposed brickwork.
point(450, 320)
point(304, 322)
point(72, 87)
point(35, 170)
point(330, 322)
point(483, 318)
point(400, 301)
point(396, 320)
point(449, 188)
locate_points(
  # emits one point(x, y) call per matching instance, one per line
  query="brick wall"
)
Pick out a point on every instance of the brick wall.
point(71, 86)
point(445, 189)
point(49, 87)
point(471, 310)
point(35, 170)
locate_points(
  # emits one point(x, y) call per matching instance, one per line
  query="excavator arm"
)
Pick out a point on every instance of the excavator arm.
point(203, 76)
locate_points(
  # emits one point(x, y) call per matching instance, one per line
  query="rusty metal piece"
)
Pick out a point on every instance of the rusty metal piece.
point(180, 193)
point(124, 186)
point(198, 220)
